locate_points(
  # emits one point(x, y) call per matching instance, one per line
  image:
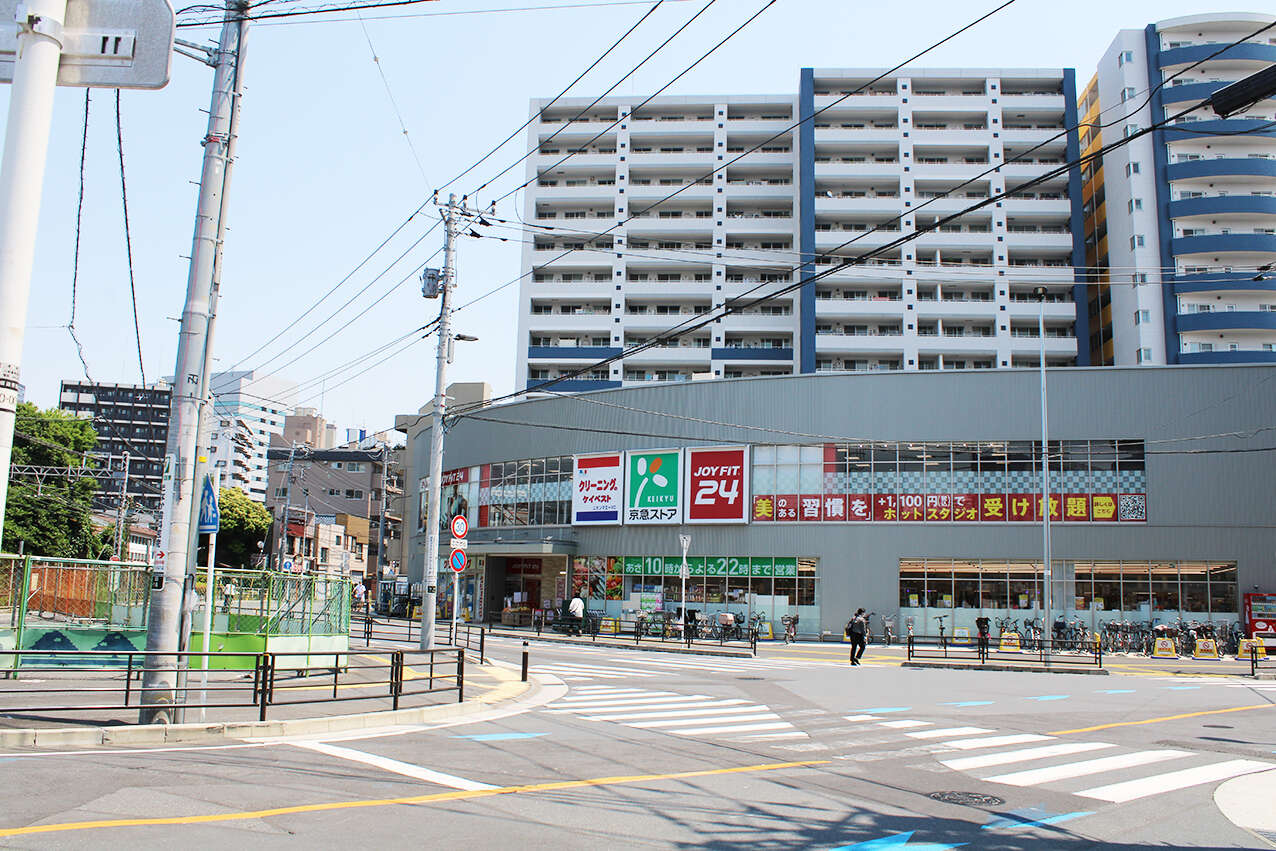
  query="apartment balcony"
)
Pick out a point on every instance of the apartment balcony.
point(759, 126)
point(1226, 320)
point(685, 226)
point(687, 286)
point(760, 190)
point(860, 135)
point(759, 323)
point(765, 354)
point(753, 224)
point(1222, 282)
point(562, 353)
point(564, 258)
point(671, 356)
point(1056, 347)
point(1223, 242)
point(1039, 239)
point(858, 343)
point(1039, 272)
point(598, 323)
point(1222, 167)
point(963, 240)
point(665, 127)
point(863, 100)
point(967, 344)
point(547, 161)
point(1040, 206)
point(958, 103)
point(866, 205)
point(760, 157)
point(573, 385)
point(857, 308)
point(1055, 310)
point(953, 309)
point(827, 240)
point(673, 159)
point(654, 191)
point(569, 290)
point(1016, 134)
point(1227, 357)
point(1023, 103)
point(1224, 127)
point(832, 170)
point(1258, 205)
point(658, 322)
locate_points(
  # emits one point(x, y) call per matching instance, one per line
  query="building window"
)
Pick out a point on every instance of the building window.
point(1124, 57)
point(1136, 241)
point(1143, 356)
point(354, 466)
point(354, 494)
point(1135, 204)
point(1128, 93)
point(1131, 169)
point(1129, 130)
point(1142, 317)
point(1139, 277)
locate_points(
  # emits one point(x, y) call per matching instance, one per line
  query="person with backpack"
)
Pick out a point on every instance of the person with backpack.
point(856, 631)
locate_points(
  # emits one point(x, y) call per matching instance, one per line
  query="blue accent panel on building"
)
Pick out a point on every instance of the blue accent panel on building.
point(1255, 204)
point(1223, 281)
point(806, 207)
point(1228, 320)
point(1243, 167)
point(1077, 219)
point(1191, 92)
point(1250, 356)
point(1223, 242)
point(572, 352)
point(1219, 127)
point(756, 353)
point(1165, 228)
point(574, 385)
point(1197, 52)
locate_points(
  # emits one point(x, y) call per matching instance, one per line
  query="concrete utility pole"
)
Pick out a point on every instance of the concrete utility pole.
point(385, 502)
point(1047, 628)
point(283, 523)
point(121, 510)
point(453, 214)
point(190, 384)
point(26, 148)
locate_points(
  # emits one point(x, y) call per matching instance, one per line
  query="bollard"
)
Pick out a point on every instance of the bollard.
point(524, 661)
point(482, 646)
point(460, 676)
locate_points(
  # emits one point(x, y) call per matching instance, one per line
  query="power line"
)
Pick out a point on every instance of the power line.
point(128, 241)
point(359, 8)
point(79, 216)
point(376, 60)
point(556, 97)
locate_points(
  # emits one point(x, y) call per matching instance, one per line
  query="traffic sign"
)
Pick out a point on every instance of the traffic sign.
point(460, 526)
point(457, 561)
point(118, 44)
point(287, 565)
point(209, 513)
point(460, 543)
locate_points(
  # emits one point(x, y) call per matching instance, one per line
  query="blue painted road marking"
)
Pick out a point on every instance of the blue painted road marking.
point(898, 840)
point(881, 709)
point(1116, 691)
point(1051, 697)
point(500, 737)
point(968, 703)
point(1031, 817)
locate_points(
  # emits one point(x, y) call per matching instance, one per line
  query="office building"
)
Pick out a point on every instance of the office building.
point(128, 418)
point(261, 402)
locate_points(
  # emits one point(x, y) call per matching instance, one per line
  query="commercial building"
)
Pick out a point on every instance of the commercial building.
point(1179, 223)
point(128, 418)
point(307, 426)
point(915, 495)
point(635, 232)
point(262, 402)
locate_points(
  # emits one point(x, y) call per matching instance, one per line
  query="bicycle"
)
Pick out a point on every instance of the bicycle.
point(790, 628)
point(888, 629)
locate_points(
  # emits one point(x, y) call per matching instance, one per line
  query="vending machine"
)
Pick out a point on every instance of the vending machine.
point(1260, 619)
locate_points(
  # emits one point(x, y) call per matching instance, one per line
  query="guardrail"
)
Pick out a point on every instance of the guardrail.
point(1043, 652)
point(468, 636)
point(1259, 663)
point(704, 634)
point(353, 677)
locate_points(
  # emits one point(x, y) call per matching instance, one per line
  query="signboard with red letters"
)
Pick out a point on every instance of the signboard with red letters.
point(717, 484)
point(598, 489)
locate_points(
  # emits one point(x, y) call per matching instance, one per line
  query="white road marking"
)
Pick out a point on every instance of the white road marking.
point(407, 769)
point(864, 717)
point(617, 694)
point(766, 737)
point(1119, 793)
point(742, 716)
point(904, 725)
point(996, 741)
point(1023, 755)
point(704, 731)
point(635, 702)
point(126, 751)
point(947, 731)
point(711, 708)
point(1037, 776)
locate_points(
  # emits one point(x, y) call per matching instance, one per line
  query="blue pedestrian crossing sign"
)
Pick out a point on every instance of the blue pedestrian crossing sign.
point(210, 516)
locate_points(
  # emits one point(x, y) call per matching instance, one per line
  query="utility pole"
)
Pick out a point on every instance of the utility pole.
point(385, 502)
point(1047, 628)
point(121, 510)
point(283, 525)
point(453, 214)
point(190, 384)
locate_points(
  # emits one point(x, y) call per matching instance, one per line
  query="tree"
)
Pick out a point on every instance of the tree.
point(52, 516)
point(243, 524)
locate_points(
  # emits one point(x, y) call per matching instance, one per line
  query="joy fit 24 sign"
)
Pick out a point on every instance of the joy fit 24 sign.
point(717, 484)
point(653, 487)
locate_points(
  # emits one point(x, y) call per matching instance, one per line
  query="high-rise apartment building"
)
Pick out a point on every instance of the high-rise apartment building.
point(698, 202)
point(261, 402)
point(128, 418)
point(1185, 218)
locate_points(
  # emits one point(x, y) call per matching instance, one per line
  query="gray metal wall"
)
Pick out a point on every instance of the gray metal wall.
point(1202, 505)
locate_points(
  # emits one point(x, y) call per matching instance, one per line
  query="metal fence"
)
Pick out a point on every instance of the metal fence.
point(1042, 652)
point(471, 637)
point(387, 681)
point(645, 629)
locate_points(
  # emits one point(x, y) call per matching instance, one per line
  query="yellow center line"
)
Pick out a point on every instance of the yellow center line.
point(459, 795)
point(1163, 718)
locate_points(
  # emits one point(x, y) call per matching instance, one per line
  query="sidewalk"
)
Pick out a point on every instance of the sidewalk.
point(732, 651)
point(304, 707)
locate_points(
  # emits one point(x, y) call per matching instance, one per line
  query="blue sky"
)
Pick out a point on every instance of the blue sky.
point(324, 172)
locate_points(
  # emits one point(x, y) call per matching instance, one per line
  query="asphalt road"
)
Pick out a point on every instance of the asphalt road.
point(794, 749)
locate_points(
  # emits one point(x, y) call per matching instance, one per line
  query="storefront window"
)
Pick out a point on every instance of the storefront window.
point(939, 584)
point(966, 584)
point(1223, 599)
point(1107, 587)
point(1194, 591)
point(1136, 594)
point(1165, 589)
point(912, 584)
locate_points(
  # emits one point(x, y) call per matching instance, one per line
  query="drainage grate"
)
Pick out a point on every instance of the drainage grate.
point(968, 799)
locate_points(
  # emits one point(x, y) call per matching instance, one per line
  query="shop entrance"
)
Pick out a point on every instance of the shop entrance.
point(522, 585)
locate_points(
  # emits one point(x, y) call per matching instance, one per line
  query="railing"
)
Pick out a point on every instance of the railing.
point(467, 636)
point(1255, 666)
point(643, 629)
point(351, 677)
point(1031, 651)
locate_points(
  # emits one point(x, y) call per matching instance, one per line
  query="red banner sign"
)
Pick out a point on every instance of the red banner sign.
point(718, 485)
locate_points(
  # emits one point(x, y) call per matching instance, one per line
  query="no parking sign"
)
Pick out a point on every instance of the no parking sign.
point(457, 561)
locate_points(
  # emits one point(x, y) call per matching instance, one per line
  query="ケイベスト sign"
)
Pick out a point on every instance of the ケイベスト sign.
point(597, 486)
point(653, 487)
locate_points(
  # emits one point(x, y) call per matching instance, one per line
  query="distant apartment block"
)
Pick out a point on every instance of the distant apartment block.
point(128, 418)
point(262, 402)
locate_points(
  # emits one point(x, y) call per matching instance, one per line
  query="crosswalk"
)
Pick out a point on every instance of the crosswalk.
point(688, 715)
point(616, 668)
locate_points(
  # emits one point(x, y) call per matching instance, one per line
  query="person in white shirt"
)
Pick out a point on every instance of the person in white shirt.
point(576, 608)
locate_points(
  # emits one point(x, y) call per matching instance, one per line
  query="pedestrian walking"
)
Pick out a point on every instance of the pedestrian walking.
point(982, 624)
point(577, 610)
point(228, 595)
point(857, 632)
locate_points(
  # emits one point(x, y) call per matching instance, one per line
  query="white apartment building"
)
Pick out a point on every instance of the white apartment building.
point(1191, 211)
point(230, 451)
point(616, 258)
point(262, 403)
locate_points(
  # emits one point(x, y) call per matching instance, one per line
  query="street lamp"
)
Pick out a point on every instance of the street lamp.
point(1041, 293)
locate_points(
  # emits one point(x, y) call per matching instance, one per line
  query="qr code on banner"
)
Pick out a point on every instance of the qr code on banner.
point(1133, 506)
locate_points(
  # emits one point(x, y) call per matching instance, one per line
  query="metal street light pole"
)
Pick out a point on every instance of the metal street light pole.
point(1047, 599)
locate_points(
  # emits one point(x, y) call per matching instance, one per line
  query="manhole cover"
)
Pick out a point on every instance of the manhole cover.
point(968, 799)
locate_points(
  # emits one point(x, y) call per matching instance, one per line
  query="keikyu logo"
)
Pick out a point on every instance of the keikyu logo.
point(654, 479)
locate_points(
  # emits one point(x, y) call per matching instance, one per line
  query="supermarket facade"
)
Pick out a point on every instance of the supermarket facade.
point(916, 495)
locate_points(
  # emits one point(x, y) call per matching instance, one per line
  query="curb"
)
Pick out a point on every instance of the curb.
point(159, 734)
point(966, 666)
point(651, 648)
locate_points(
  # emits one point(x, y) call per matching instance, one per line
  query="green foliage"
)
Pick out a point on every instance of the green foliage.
point(243, 524)
point(53, 518)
